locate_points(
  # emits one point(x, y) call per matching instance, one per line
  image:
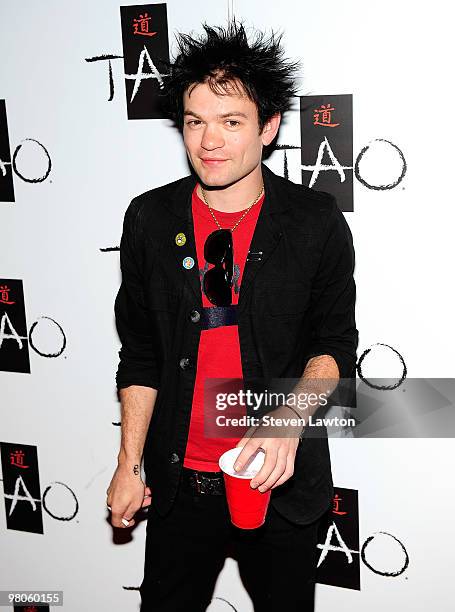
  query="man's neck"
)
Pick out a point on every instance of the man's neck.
point(236, 197)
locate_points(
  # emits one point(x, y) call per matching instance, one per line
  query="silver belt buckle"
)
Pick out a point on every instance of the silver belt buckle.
point(207, 486)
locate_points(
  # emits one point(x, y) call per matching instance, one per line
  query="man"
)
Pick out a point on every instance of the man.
point(282, 306)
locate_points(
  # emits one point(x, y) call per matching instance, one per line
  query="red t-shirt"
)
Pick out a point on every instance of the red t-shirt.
point(219, 349)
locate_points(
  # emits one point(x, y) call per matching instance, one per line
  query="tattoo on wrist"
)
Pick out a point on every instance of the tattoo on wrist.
point(136, 469)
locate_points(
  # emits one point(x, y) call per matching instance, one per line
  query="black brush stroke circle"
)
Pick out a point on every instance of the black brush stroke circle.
point(34, 347)
point(60, 518)
point(387, 574)
point(379, 387)
point(379, 187)
point(31, 180)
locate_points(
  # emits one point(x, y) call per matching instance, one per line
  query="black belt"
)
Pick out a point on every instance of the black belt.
point(204, 483)
point(218, 316)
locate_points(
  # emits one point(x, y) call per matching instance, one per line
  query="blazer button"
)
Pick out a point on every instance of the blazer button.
point(185, 363)
point(174, 458)
point(195, 316)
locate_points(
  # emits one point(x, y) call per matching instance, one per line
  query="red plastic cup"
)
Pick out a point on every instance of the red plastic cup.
point(247, 506)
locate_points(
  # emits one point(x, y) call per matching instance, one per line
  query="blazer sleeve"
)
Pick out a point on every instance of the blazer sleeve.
point(138, 363)
point(333, 295)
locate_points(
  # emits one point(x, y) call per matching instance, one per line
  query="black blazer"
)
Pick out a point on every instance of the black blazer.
point(298, 301)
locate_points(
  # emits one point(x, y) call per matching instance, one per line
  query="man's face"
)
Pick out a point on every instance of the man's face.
point(221, 135)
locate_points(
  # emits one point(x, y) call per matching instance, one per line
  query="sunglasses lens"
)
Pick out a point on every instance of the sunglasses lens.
point(217, 246)
point(218, 250)
point(216, 288)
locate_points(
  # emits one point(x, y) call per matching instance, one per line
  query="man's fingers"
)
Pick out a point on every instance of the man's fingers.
point(147, 497)
point(288, 472)
point(249, 449)
point(123, 521)
point(127, 518)
point(269, 473)
point(147, 501)
point(123, 518)
point(270, 460)
point(116, 518)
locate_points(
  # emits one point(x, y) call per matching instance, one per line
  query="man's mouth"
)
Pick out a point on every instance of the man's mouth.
point(212, 161)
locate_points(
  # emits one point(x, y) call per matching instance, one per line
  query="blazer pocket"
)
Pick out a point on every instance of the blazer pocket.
point(162, 300)
point(285, 300)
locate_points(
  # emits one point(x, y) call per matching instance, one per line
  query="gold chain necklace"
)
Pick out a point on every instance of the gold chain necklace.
point(249, 207)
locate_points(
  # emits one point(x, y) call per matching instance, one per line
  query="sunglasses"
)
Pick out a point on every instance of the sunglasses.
point(217, 282)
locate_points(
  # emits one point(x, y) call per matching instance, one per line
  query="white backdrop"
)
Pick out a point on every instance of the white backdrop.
point(394, 59)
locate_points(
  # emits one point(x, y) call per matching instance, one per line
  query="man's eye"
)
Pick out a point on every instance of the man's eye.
point(193, 121)
point(233, 121)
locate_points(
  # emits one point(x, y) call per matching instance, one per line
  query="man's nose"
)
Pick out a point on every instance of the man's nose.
point(212, 138)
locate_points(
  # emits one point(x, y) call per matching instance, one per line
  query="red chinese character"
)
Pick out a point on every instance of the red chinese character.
point(17, 459)
point(30, 609)
point(323, 116)
point(141, 25)
point(4, 297)
point(336, 505)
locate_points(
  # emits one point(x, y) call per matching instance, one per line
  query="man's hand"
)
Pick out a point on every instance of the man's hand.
point(279, 451)
point(126, 494)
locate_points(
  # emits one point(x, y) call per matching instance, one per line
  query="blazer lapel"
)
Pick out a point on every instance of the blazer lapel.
point(267, 233)
point(265, 239)
point(185, 225)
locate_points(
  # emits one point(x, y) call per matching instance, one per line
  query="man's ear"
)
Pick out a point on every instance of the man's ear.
point(270, 129)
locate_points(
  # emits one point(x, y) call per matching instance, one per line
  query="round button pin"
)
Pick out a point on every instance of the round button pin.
point(188, 263)
point(180, 239)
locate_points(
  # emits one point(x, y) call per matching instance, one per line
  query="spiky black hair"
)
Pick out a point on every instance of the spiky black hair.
point(223, 59)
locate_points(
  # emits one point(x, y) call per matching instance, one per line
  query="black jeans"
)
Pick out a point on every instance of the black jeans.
point(185, 551)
